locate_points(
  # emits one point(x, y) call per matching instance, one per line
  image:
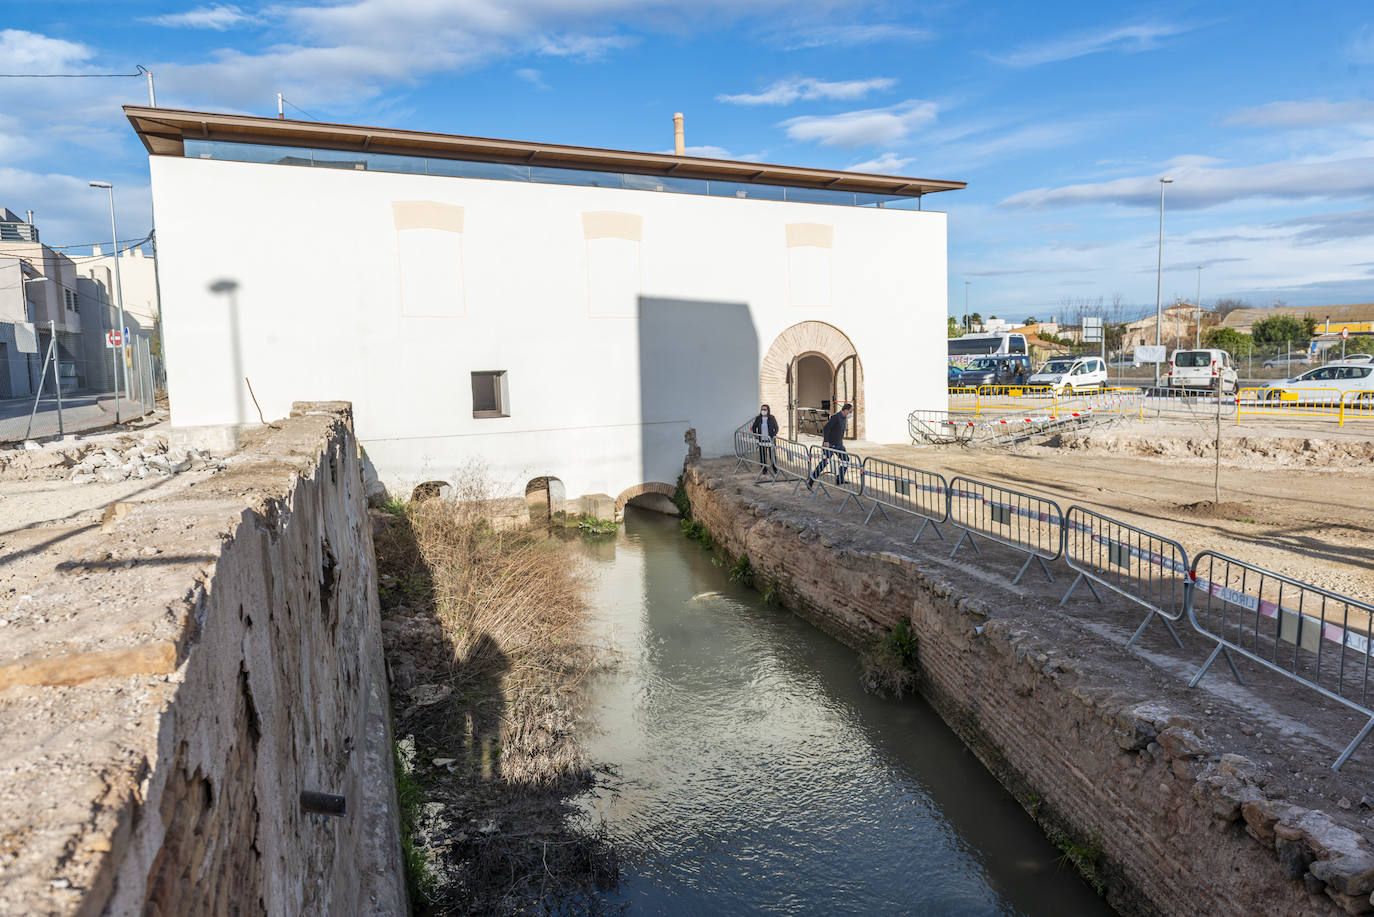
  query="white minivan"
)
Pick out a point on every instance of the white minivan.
point(1202, 369)
point(1077, 374)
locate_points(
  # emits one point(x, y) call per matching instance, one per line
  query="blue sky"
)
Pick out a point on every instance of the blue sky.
point(1060, 116)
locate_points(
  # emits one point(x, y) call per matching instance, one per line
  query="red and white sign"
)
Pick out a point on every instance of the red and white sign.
point(114, 339)
point(1345, 334)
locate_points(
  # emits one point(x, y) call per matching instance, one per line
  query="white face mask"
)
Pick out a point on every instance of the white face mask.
point(763, 413)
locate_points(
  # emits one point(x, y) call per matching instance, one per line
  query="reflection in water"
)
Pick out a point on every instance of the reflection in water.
point(754, 775)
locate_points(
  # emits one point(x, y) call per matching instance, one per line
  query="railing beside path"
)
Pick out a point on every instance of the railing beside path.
point(1309, 635)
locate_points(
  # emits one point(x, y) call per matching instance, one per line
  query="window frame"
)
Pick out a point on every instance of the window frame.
point(502, 391)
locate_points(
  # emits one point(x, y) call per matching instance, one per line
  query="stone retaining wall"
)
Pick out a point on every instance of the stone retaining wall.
point(1167, 824)
point(230, 660)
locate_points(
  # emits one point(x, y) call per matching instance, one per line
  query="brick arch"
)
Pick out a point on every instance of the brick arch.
point(639, 490)
point(806, 338)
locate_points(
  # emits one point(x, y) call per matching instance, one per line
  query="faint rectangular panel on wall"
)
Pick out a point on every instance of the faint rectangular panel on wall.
point(429, 259)
point(614, 280)
point(809, 255)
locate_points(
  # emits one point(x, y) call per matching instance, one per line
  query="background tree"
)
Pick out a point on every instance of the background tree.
point(975, 319)
point(1282, 329)
point(955, 329)
point(1030, 320)
point(1228, 339)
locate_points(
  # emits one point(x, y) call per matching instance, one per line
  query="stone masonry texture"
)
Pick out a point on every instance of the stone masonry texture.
point(220, 654)
point(1102, 761)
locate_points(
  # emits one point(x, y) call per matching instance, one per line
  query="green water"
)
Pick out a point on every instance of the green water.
point(753, 775)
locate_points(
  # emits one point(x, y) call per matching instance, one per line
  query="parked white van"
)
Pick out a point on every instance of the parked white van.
point(1078, 374)
point(1202, 369)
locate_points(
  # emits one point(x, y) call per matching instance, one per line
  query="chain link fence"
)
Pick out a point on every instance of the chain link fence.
point(57, 383)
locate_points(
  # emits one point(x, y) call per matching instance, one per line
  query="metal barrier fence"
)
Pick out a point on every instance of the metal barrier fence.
point(938, 427)
point(1018, 398)
point(845, 469)
point(923, 494)
point(1314, 636)
point(794, 461)
point(1357, 406)
point(1193, 403)
point(1146, 568)
point(1021, 521)
point(963, 398)
point(1301, 402)
point(61, 387)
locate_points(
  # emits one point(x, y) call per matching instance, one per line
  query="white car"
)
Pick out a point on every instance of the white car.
point(1076, 374)
point(1284, 359)
point(1201, 369)
point(1334, 377)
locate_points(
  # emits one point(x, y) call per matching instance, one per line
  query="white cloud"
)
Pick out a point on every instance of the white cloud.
point(66, 207)
point(708, 151)
point(533, 77)
point(862, 128)
point(581, 47)
point(809, 89)
point(218, 17)
point(852, 36)
point(1361, 49)
point(29, 52)
point(888, 163)
point(1130, 38)
point(1305, 114)
point(1197, 187)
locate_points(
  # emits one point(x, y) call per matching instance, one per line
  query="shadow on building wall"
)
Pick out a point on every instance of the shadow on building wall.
point(698, 368)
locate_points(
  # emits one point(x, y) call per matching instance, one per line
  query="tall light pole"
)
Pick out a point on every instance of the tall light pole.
point(1159, 277)
point(119, 297)
point(966, 327)
point(1197, 308)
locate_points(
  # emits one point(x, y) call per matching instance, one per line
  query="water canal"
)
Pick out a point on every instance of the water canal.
point(753, 774)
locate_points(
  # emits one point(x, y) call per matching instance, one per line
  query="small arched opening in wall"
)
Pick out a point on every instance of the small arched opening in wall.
point(430, 490)
point(794, 360)
point(651, 495)
point(545, 497)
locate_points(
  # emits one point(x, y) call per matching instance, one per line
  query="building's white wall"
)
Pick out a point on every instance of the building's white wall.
point(539, 274)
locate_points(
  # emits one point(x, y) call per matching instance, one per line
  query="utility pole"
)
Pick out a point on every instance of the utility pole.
point(1197, 334)
point(1159, 278)
point(119, 298)
point(966, 327)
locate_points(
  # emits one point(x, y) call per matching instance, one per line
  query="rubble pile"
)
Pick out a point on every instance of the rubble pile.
point(106, 460)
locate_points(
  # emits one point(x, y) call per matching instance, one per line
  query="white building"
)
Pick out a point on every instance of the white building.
point(543, 309)
point(137, 281)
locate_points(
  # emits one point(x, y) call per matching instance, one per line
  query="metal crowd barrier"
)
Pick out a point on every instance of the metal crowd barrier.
point(1301, 402)
point(1021, 521)
point(1146, 568)
point(963, 399)
point(1016, 398)
point(909, 490)
point(794, 461)
point(1193, 402)
point(845, 469)
point(1316, 637)
point(1357, 406)
point(938, 427)
point(750, 450)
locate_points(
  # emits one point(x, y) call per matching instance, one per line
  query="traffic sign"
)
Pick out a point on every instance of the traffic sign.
point(113, 339)
point(1345, 334)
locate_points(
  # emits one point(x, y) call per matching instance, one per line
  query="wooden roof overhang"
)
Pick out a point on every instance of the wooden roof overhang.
point(163, 131)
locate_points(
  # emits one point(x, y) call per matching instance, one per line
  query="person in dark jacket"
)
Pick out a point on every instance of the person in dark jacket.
point(766, 426)
point(832, 439)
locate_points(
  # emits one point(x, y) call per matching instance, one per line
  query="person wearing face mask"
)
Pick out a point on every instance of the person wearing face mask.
point(766, 426)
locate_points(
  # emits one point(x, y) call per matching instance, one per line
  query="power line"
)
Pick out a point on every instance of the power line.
point(299, 109)
point(72, 76)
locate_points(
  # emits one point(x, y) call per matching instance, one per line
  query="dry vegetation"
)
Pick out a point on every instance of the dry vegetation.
point(487, 652)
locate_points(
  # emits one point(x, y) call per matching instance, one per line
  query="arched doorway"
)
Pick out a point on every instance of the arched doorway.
point(545, 498)
point(803, 360)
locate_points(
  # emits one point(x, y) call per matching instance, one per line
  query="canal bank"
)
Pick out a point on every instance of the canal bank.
point(1097, 743)
point(747, 771)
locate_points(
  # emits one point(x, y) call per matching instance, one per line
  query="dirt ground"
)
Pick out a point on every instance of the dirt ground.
point(1297, 499)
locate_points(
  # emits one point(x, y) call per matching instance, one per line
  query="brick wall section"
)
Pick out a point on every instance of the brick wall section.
point(1181, 831)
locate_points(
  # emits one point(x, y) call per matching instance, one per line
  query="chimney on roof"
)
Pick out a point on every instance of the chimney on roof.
point(30, 213)
point(678, 143)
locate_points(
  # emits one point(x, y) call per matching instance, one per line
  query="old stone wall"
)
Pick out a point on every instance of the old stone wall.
point(1120, 776)
point(236, 636)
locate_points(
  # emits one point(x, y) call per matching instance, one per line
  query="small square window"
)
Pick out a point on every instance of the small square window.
point(490, 396)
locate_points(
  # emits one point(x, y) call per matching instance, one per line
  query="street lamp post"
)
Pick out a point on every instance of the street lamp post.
point(119, 298)
point(966, 327)
point(1197, 309)
point(1159, 278)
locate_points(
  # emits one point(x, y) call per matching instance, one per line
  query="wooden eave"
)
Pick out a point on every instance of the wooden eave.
point(163, 131)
